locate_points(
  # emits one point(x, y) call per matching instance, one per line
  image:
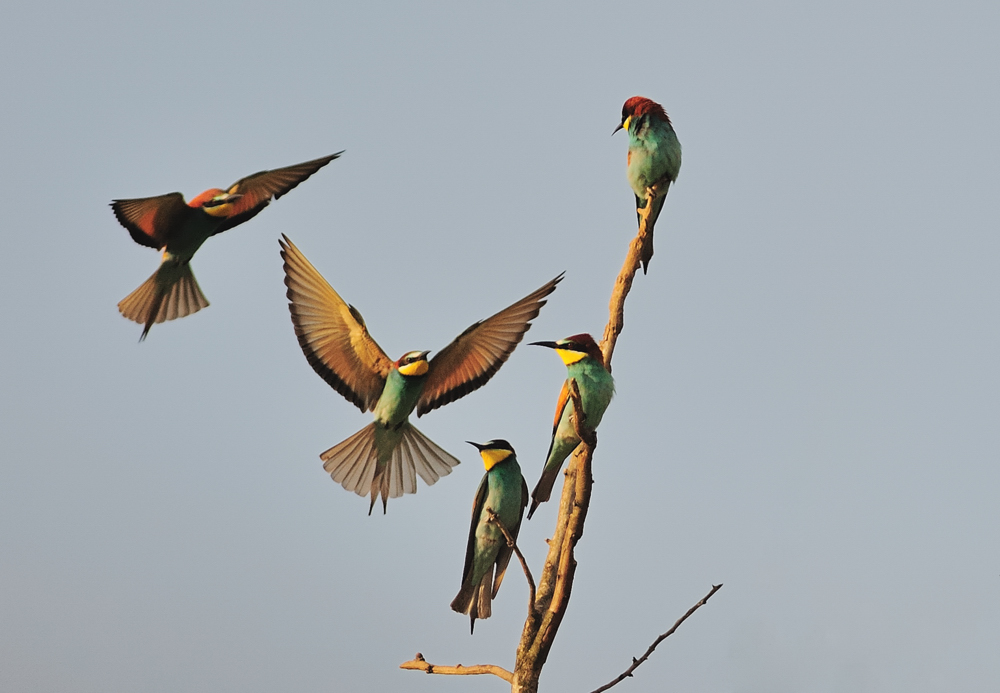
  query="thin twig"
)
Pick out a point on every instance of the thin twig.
point(418, 663)
point(520, 556)
point(636, 662)
point(623, 284)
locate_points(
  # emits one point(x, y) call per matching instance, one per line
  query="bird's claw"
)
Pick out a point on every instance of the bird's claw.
point(651, 194)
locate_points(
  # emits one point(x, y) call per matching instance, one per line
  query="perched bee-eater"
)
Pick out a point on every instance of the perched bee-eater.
point(654, 159)
point(503, 491)
point(584, 363)
point(385, 457)
point(178, 228)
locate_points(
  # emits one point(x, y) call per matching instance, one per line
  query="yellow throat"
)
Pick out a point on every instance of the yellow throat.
point(416, 368)
point(491, 457)
point(570, 357)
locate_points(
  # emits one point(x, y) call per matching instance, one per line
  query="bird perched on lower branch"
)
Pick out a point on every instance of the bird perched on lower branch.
point(179, 228)
point(504, 492)
point(654, 160)
point(385, 458)
point(585, 364)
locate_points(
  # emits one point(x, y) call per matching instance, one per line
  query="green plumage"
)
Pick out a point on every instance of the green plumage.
point(596, 387)
point(504, 491)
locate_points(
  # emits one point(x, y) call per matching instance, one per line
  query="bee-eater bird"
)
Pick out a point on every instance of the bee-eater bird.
point(178, 229)
point(584, 363)
point(503, 491)
point(385, 457)
point(654, 160)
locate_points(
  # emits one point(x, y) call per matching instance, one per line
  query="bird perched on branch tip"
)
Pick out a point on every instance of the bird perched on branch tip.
point(654, 160)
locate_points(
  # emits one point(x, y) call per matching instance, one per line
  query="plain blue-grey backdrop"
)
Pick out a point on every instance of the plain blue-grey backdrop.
point(807, 404)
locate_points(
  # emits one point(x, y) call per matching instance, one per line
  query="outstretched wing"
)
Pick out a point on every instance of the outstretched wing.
point(471, 360)
point(332, 334)
point(150, 220)
point(259, 189)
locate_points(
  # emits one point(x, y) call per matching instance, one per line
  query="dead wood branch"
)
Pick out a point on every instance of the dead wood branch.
point(418, 663)
point(636, 662)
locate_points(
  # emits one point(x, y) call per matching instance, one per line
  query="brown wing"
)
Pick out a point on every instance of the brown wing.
point(471, 360)
point(332, 334)
point(152, 220)
point(560, 405)
point(259, 189)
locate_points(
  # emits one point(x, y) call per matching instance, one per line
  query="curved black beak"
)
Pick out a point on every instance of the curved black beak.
point(477, 446)
point(621, 126)
point(550, 345)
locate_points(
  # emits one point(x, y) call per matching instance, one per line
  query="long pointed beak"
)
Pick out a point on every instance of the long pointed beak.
point(620, 127)
point(424, 354)
point(477, 446)
point(550, 345)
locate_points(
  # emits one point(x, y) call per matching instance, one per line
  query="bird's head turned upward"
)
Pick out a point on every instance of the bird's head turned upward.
point(493, 452)
point(575, 348)
point(413, 363)
point(637, 107)
point(218, 203)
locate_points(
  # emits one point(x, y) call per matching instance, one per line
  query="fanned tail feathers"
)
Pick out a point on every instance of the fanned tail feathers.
point(355, 463)
point(171, 292)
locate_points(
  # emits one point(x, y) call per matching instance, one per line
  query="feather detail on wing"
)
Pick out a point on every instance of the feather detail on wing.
point(259, 189)
point(332, 334)
point(471, 360)
point(150, 220)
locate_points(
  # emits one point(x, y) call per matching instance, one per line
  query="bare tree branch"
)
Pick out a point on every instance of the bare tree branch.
point(520, 556)
point(418, 663)
point(636, 662)
point(623, 284)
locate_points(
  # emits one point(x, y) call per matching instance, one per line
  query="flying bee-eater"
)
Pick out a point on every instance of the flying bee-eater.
point(178, 228)
point(584, 363)
point(654, 160)
point(385, 457)
point(503, 492)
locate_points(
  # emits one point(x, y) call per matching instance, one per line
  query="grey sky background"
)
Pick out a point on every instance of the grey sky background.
point(807, 382)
